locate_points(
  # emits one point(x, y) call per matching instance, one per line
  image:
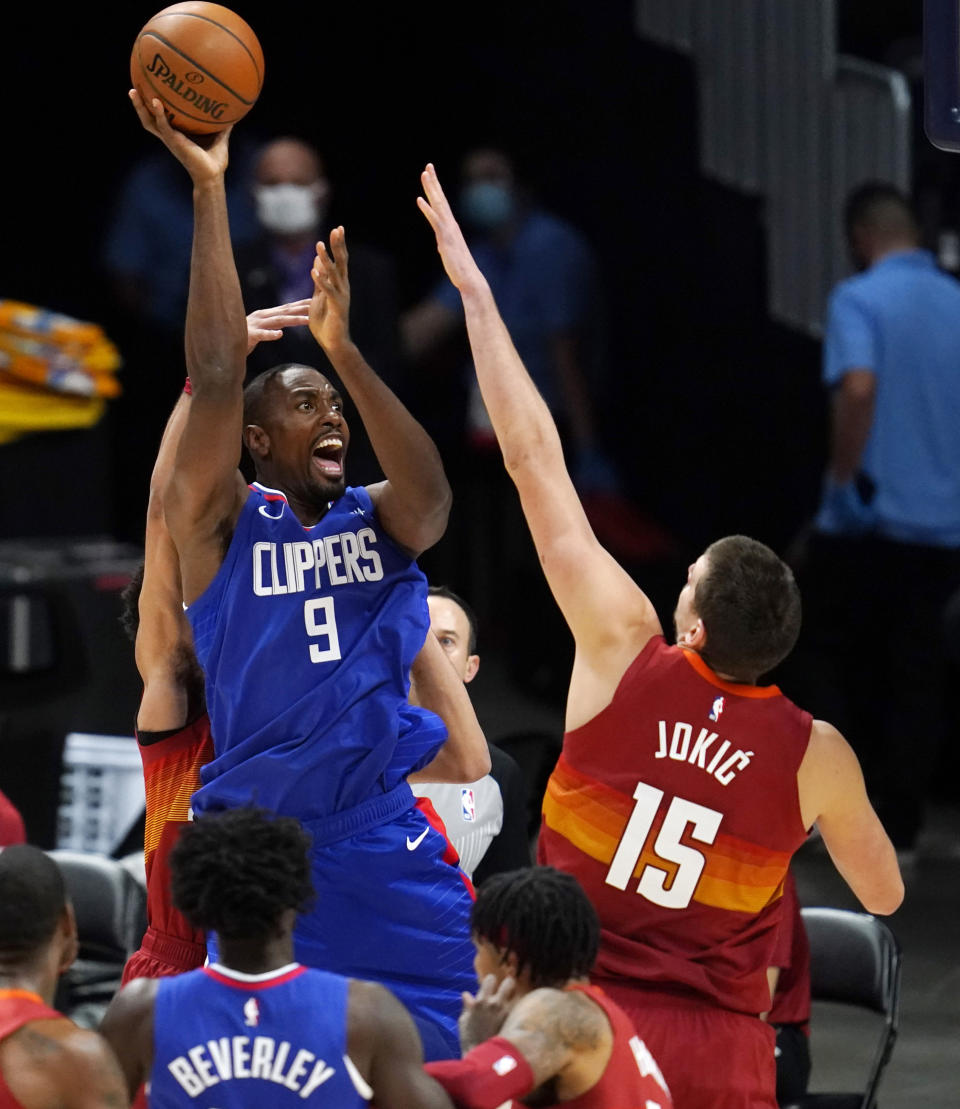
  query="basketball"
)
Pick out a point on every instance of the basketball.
point(202, 61)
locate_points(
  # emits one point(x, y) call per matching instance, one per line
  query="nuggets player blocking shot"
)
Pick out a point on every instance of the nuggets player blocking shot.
point(307, 610)
point(683, 786)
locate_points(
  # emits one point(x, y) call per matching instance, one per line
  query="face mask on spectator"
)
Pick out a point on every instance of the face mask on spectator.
point(289, 209)
point(487, 205)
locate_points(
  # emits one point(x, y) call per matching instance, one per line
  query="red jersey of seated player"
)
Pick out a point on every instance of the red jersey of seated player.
point(495, 1074)
point(17, 1008)
point(12, 830)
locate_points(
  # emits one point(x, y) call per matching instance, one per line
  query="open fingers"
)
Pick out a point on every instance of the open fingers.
point(295, 311)
point(505, 992)
point(320, 281)
point(271, 323)
point(488, 988)
point(338, 245)
point(433, 189)
point(330, 272)
point(428, 212)
point(146, 112)
point(323, 262)
point(154, 118)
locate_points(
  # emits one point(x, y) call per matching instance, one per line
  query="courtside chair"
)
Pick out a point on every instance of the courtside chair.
point(854, 960)
point(111, 911)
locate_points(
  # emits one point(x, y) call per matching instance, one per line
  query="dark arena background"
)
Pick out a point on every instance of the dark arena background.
point(708, 400)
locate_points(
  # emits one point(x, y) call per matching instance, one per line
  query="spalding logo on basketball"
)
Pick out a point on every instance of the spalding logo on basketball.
point(202, 61)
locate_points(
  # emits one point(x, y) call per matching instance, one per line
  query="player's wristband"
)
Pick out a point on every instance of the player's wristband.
point(486, 1077)
point(187, 387)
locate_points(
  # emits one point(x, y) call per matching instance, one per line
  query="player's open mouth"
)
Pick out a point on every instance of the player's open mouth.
point(328, 456)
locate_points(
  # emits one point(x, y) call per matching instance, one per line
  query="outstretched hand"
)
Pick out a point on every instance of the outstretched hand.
point(204, 157)
point(483, 1014)
point(330, 305)
point(265, 325)
point(454, 252)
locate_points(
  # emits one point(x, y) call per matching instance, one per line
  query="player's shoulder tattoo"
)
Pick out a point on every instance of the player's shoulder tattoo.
point(568, 1018)
point(38, 1045)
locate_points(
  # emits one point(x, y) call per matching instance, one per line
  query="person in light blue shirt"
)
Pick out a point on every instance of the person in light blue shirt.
point(885, 550)
point(892, 356)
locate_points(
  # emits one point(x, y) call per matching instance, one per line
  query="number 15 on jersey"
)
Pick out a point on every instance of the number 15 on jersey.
point(681, 815)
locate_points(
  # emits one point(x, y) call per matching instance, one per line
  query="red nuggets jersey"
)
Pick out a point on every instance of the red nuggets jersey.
point(11, 823)
point(17, 1008)
point(677, 808)
point(632, 1077)
point(791, 999)
point(171, 775)
point(496, 1073)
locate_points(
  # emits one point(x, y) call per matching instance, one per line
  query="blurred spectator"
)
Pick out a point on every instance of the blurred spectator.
point(147, 245)
point(292, 196)
point(544, 276)
point(11, 823)
point(884, 553)
point(486, 820)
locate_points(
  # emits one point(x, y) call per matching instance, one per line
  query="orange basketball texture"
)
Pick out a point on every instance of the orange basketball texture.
point(202, 61)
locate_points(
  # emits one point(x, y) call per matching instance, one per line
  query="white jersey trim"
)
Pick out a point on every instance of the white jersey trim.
point(239, 976)
point(267, 489)
point(359, 1083)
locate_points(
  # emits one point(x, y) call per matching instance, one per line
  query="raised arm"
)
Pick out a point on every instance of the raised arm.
point(414, 502)
point(163, 634)
point(436, 685)
point(206, 490)
point(833, 796)
point(164, 638)
point(610, 617)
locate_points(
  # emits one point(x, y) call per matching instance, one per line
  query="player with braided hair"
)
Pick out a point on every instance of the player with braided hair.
point(537, 1026)
point(552, 928)
point(258, 1025)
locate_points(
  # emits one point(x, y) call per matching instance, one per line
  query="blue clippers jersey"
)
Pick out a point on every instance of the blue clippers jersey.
point(233, 1040)
point(306, 636)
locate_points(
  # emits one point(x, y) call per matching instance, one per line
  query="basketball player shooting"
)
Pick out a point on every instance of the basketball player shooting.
point(308, 610)
point(683, 786)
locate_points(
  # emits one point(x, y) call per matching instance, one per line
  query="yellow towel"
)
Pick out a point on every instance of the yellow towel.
point(25, 408)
